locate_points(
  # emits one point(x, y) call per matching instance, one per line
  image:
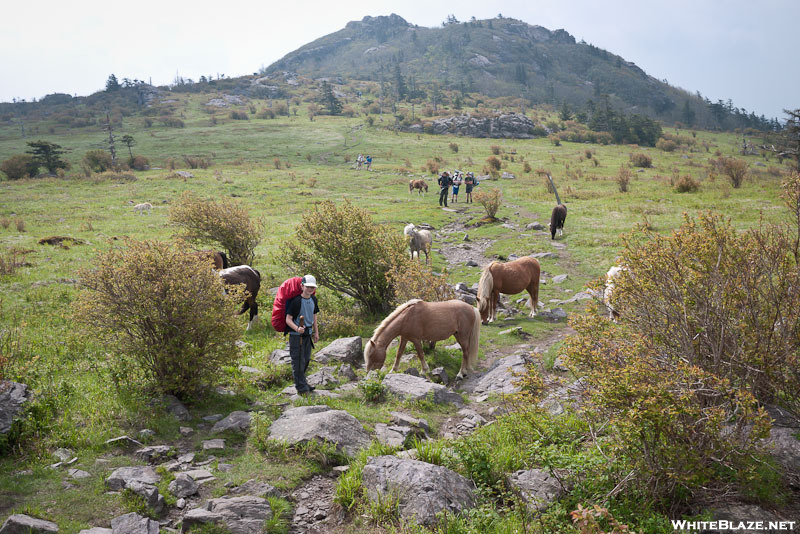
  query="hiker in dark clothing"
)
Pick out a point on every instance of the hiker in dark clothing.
point(444, 183)
point(301, 322)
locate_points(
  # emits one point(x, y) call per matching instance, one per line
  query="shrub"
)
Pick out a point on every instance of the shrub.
point(526, 168)
point(433, 166)
point(197, 162)
point(372, 389)
point(172, 122)
point(623, 179)
point(413, 280)
point(224, 223)
point(163, 313)
point(495, 150)
point(239, 116)
point(19, 223)
point(453, 147)
point(98, 160)
point(687, 184)
point(139, 163)
point(735, 169)
point(641, 160)
point(494, 163)
point(276, 162)
point(266, 113)
point(11, 260)
point(348, 252)
point(490, 200)
point(588, 153)
point(667, 145)
point(19, 166)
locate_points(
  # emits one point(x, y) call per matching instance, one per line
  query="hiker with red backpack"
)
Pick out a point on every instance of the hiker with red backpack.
point(303, 330)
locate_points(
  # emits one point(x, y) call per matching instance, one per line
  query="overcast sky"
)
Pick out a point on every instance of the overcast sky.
point(744, 50)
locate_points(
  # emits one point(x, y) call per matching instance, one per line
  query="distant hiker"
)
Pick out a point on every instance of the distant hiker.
point(301, 321)
point(359, 161)
point(469, 182)
point(444, 184)
point(369, 163)
point(456, 184)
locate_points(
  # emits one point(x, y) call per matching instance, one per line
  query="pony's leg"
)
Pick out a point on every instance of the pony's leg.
point(401, 348)
point(253, 314)
point(421, 355)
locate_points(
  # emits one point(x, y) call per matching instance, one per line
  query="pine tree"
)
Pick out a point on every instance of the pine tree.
point(47, 155)
point(329, 100)
point(112, 84)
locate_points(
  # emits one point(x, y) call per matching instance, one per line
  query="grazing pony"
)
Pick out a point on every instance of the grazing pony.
point(141, 208)
point(557, 219)
point(417, 320)
point(508, 278)
point(218, 258)
point(419, 185)
point(251, 279)
point(421, 240)
point(611, 277)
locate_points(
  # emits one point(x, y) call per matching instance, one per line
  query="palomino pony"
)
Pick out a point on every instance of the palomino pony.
point(218, 258)
point(508, 278)
point(608, 291)
point(417, 320)
point(419, 185)
point(421, 240)
point(251, 279)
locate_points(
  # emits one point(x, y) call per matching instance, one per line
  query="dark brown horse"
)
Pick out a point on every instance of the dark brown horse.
point(509, 278)
point(251, 279)
point(419, 185)
point(218, 258)
point(557, 219)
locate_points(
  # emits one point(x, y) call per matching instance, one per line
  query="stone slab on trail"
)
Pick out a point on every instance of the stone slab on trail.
point(423, 489)
point(414, 388)
point(237, 421)
point(501, 377)
point(24, 524)
point(133, 523)
point(321, 423)
point(242, 515)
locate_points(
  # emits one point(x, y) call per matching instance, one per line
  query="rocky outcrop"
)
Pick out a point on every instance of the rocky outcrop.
point(142, 481)
point(502, 376)
point(422, 489)
point(13, 396)
point(237, 422)
point(24, 524)
point(537, 487)
point(320, 423)
point(415, 388)
point(344, 350)
point(133, 523)
point(500, 126)
point(242, 515)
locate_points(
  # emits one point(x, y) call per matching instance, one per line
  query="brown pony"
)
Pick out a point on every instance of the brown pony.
point(508, 278)
point(419, 185)
point(251, 279)
point(218, 258)
point(434, 321)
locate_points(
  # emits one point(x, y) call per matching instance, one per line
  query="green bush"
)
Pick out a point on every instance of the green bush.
point(163, 317)
point(641, 160)
point(494, 163)
point(224, 223)
point(623, 179)
point(139, 163)
point(490, 199)
point(98, 160)
point(348, 252)
point(687, 184)
point(19, 166)
point(372, 389)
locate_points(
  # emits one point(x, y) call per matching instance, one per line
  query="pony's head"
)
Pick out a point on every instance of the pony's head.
point(409, 229)
point(374, 356)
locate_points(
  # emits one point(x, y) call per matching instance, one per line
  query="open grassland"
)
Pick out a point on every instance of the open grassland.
point(279, 168)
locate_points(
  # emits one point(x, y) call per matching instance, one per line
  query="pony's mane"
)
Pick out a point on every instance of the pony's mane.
point(409, 229)
point(400, 309)
point(485, 287)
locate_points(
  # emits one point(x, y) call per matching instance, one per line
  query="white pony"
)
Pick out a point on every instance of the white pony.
point(421, 240)
point(611, 277)
point(141, 208)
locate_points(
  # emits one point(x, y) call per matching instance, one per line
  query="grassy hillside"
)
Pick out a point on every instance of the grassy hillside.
point(279, 168)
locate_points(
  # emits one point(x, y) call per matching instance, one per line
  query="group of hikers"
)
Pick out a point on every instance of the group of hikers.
point(446, 180)
point(363, 161)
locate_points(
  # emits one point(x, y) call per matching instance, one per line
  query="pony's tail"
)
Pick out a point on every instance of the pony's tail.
point(225, 262)
point(410, 186)
point(485, 286)
point(474, 338)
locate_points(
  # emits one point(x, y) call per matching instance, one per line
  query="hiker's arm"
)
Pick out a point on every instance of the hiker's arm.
point(293, 326)
point(316, 329)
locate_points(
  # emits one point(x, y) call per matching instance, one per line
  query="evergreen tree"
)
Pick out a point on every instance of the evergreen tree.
point(112, 84)
point(565, 114)
point(47, 155)
point(688, 114)
point(129, 141)
point(399, 83)
point(329, 100)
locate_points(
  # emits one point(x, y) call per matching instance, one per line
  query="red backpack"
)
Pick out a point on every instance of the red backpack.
point(288, 290)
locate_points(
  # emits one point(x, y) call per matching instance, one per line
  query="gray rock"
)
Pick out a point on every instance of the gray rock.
point(781, 417)
point(738, 512)
point(469, 298)
point(186, 431)
point(24, 524)
point(536, 225)
point(564, 397)
point(184, 174)
point(176, 408)
point(413, 388)
point(96, 530)
point(180, 504)
point(413, 371)
point(242, 515)
point(13, 397)
point(560, 278)
point(537, 487)
point(146, 433)
point(201, 476)
point(124, 476)
point(182, 462)
point(507, 175)
point(237, 421)
point(213, 444)
point(256, 488)
point(63, 455)
point(472, 263)
point(516, 331)
point(344, 350)
point(346, 371)
point(183, 486)
point(243, 345)
point(402, 419)
point(133, 523)
point(560, 363)
point(150, 494)
point(78, 474)
point(398, 435)
point(556, 314)
point(213, 418)
point(580, 295)
point(423, 489)
point(461, 286)
point(541, 255)
point(439, 376)
point(123, 441)
point(785, 448)
point(280, 356)
point(320, 423)
point(154, 453)
point(499, 126)
point(502, 376)
point(245, 369)
point(323, 378)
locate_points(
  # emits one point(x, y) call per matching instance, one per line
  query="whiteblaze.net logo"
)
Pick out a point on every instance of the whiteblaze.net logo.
point(682, 525)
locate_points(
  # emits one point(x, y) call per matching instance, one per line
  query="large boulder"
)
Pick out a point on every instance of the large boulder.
point(242, 515)
point(537, 487)
point(320, 423)
point(24, 524)
point(176, 408)
point(280, 356)
point(323, 378)
point(422, 489)
point(502, 376)
point(343, 350)
point(123, 476)
point(237, 421)
point(183, 486)
point(415, 388)
point(155, 453)
point(13, 396)
point(506, 125)
point(133, 523)
point(784, 446)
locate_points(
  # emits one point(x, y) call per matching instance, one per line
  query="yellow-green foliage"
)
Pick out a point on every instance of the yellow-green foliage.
point(490, 199)
point(348, 252)
point(641, 160)
point(735, 169)
point(224, 222)
point(623, 179)
point(162, 315)
point(97, 160)
point(413, 280)
point(687, 184)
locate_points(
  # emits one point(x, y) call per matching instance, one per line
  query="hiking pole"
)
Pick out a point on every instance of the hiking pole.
point(558, 200)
